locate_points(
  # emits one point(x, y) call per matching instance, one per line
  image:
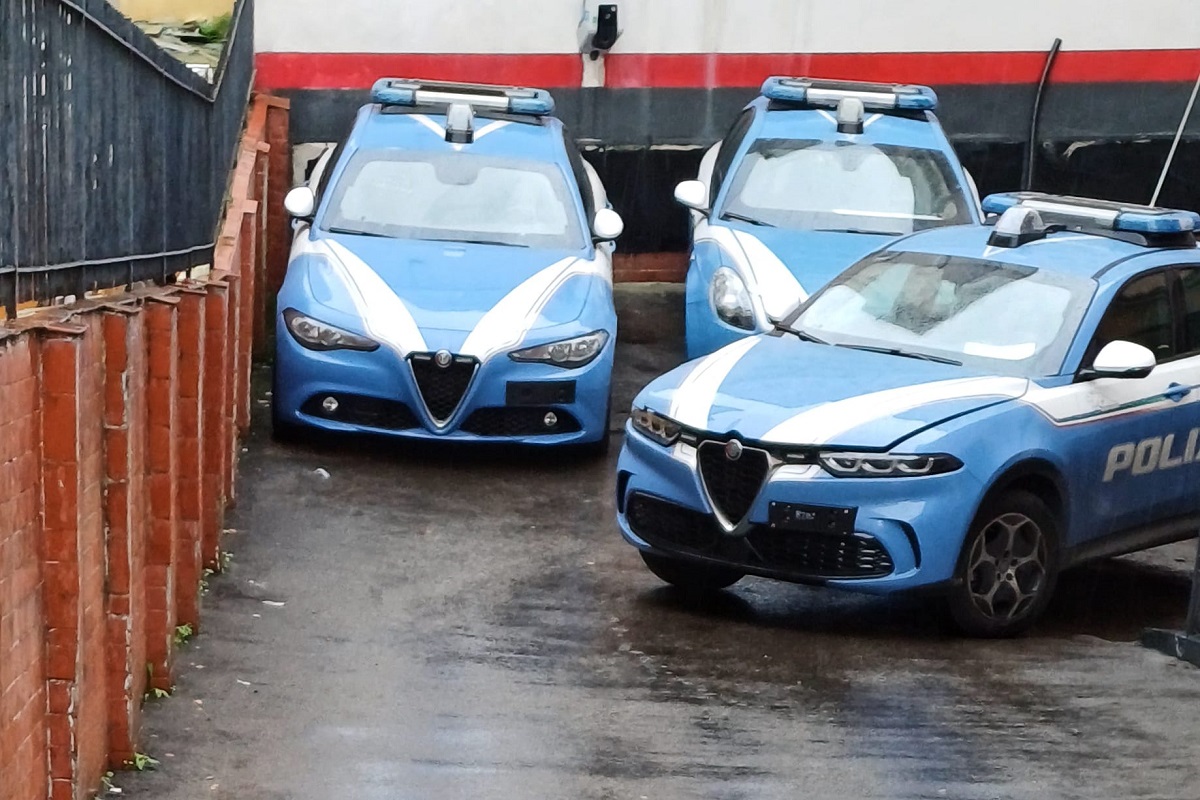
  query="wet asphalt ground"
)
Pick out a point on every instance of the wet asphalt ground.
point(454, 624)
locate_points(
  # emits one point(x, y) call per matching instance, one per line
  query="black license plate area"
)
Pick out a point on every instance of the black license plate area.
point(810, 518)
point(539, 393)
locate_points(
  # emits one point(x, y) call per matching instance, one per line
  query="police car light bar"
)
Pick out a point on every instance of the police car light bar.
point(511, 99)
point(1103, 214)
point(828, 94)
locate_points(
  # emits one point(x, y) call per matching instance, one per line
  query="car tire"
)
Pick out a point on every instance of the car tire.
point(692, 576)
point(1007, 569)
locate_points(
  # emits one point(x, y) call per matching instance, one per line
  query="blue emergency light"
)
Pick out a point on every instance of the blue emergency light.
point(829, 94)
point(509, 99)
point(1102, 214)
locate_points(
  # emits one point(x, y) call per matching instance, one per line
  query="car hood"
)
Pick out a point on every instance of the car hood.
point(419, 295)
point(779, 389)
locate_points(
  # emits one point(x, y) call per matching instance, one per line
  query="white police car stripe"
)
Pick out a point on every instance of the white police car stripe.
point(774, 290)
point(384, 314)
point(693, 400)
point(825, 423)
point(509, 321)
point(388, 321)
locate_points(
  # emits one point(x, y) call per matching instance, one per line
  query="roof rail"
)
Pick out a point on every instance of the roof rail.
point(822, 93)
point(415, 92)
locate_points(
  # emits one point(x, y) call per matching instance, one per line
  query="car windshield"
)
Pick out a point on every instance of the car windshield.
point(1010, 320)
point(845, 186)
point(458, 197)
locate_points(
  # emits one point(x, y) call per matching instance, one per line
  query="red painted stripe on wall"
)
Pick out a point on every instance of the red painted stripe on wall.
point(717, 70)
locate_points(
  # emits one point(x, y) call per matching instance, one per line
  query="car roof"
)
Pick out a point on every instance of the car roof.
point(1087, 255)
point(917, 129)
point(496, 134)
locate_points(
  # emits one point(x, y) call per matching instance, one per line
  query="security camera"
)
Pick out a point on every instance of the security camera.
point(598, 28)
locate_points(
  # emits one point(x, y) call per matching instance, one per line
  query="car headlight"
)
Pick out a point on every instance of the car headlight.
point(657, 427)
point(731, 300)
point(317, 335)
point(888, 465)
point(567, 353)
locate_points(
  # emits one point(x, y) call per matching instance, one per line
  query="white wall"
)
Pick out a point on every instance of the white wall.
point(728, 26)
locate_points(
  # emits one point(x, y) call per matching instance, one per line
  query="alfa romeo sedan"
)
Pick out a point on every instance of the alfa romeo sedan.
point(450, 276)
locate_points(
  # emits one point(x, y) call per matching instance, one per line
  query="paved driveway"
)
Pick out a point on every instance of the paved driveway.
point(441, 624)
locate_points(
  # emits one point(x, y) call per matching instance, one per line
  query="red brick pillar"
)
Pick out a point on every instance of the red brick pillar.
point(22, 651)
point(73, 555)
point(216, 424)
point(279, 180)
point(249, 290)
point(259, 193)
point(233, 382)
point(190, 468)
point(161, 470)
point(127, 520)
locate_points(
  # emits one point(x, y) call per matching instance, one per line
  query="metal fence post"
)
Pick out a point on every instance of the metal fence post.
point(1181, 644)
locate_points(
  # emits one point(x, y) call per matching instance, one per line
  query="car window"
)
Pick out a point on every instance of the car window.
point(729, 148)
point(1139, 313)
point(846, 186)
point(1010, 320)
point(1190, 282)
point(454, 197)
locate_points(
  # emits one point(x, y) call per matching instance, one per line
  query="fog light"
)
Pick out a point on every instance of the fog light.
point(330, 404)
point(551, 419)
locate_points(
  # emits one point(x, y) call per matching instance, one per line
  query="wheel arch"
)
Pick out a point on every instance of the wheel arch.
point(1042, 479)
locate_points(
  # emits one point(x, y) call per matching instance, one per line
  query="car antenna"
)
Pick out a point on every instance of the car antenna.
point(1187, 114)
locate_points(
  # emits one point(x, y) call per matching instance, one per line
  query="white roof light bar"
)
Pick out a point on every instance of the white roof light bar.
point(509, 99)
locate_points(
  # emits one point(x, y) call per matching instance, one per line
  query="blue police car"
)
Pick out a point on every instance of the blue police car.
point(811, 177)
point(971, 409)
point(450, 275)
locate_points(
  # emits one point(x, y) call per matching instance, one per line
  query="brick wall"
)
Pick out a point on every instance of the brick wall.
point(22, 650)
point(118, 445)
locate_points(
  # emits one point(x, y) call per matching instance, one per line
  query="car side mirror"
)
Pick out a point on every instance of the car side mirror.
point(300, 202)
point(1121, 359)
point(607, 225)
point(693, 195)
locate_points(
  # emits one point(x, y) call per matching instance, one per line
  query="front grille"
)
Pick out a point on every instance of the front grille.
point(508, 421)
point(732, 484)
point(794, 554)
point(442, 388)
point(370, 412)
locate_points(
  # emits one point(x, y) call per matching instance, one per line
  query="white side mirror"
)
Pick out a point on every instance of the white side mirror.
point(693, 195)
point(607, 225)
point(1121, 359)
point(300, 202)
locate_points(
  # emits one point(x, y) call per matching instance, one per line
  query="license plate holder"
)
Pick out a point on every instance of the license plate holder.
point(811, 518)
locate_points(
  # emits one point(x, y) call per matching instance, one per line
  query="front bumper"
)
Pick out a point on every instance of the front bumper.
point(907, 532)
point(505, 401)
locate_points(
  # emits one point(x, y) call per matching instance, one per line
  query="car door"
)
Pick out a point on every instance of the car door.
point(1127, 444)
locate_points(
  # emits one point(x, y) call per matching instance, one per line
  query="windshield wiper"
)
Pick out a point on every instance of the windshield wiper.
point(862, 231)
point(744, 218)
point(478, 241)
point(895, 351)
point(803, 336)
point(355, 232)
